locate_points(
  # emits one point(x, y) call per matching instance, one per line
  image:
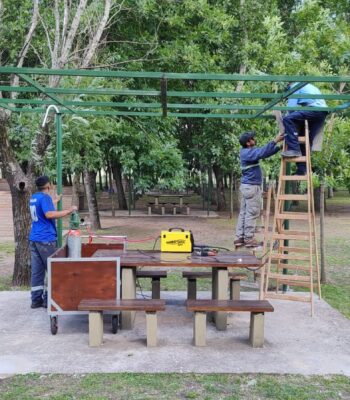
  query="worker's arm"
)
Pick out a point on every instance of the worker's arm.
point(59, 214)
point(258, 153)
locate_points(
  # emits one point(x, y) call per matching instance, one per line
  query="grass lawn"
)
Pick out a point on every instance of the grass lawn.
point(174, 386)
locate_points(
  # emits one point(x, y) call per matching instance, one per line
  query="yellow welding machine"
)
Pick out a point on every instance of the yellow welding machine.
point(176, 240)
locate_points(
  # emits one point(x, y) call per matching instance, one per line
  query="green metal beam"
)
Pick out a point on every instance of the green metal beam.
point(282, 97)
point(6, 107)
point(42, 90)
point(203, 106)
point(194, 94)
point(183, 76)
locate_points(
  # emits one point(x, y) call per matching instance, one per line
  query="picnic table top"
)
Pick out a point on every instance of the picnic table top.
point(154, 258)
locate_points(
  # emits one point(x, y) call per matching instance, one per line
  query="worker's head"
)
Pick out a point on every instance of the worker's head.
point(247, 139)
point(43, 183)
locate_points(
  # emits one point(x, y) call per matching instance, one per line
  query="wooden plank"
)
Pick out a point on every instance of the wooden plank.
point(294, 159)
point(293, 283)
point(294, 267)
point(291, 278)
point(294, 178)
point(121, 305)
point(301, 139)
point(282, 236)
point(292, 197)
point(290, 257)
point(293, 216)
point(280, 296)
point(151, 274)
point(229, 305)
point(291, 249)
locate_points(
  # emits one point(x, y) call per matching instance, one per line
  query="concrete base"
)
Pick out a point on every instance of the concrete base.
point(95, 328)
point(295, 343)
point(235, 289)
point(151, 322)
point(200, 329)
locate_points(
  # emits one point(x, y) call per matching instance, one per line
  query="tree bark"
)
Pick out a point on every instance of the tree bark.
point(90, 183)
point(21, 187)
point(117, 174)
point(76, 191)
point(220, 193)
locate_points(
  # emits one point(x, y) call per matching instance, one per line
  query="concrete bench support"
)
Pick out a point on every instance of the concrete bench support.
point(256, 332)
point(95, 328)
point(199, 328)
point(235, 289)
point(156, 277)
point(151, 322)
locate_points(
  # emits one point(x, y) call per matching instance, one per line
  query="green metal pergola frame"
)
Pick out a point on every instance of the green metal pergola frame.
point(157, 90)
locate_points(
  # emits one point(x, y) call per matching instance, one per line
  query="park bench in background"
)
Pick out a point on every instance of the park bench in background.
point(257, 309)
point(192, 276)
point(97, 307)
point(156, 277)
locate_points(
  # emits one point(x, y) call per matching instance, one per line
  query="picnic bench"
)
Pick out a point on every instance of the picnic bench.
point(97, 307)
point(170, 204)
point(257, 309)
point(156, 276)
point(234, 282)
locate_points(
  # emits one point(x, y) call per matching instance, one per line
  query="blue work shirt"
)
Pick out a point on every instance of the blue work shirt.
point(251, 171)
point(307, 89)
point(43, 229)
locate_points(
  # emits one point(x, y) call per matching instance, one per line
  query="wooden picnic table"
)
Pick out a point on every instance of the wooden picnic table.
point(219, 264)
point(160, 196)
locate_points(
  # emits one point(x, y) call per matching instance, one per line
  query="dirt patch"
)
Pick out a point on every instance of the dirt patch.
point(6, 265)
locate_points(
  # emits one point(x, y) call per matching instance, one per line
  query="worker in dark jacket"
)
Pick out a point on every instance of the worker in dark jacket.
point(250, 188)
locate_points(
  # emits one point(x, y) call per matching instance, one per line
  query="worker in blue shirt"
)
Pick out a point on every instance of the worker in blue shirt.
point(42, 237)
point(294, 123)
point(250, 188)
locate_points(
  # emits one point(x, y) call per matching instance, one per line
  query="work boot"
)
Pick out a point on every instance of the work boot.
point(37, 304)
point(249, 243)
point(238, 242)
point(291, 153)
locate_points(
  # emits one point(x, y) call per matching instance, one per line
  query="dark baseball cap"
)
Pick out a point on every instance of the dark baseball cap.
point(245, 137)
point(42, 181)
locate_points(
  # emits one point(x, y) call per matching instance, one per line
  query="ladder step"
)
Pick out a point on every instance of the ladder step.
point(290, 278)
point(293, 215)
point(280, 296)
point(301, 139)
point(293, 197)
point(294, 159)
point(297, 233)
point(293, 283)
point(294, 267)
point(294, 178)
point(282, 236)
point(289, 257)
point(295, 249)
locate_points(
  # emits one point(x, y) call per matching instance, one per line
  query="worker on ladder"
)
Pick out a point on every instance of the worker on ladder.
point(250, 188)
point(294, 124)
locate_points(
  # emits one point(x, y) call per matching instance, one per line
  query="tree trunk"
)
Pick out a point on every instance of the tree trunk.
point(21, 226)
point(21, 187)
point(76, 191)
point(90, 183)
point(117, 174)
point(220, 192)
point(330, 192)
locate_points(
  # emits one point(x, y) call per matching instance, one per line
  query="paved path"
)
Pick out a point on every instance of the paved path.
point(295, 342)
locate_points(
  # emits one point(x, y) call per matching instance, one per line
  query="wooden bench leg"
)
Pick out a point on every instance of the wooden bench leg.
point(199, 329)
point(151, 322)
point(155, 288)
point(95, 328)
point(235, 289)
point(149, 210)
point(191, 288)
point(256, 334)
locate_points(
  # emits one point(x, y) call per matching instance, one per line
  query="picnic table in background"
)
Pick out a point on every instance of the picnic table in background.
point(175, 200)
point(160, 196)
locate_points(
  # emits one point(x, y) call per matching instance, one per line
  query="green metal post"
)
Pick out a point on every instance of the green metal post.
point(59, 173)
point(287, 207)
point(129, 195)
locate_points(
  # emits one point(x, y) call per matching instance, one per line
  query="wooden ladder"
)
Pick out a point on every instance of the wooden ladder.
point(295, 265)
